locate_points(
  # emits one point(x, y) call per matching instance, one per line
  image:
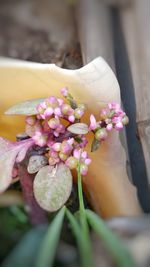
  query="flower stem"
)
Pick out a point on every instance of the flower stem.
point(88, 261)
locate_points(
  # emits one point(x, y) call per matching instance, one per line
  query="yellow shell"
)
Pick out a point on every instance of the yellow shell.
point(107, 184)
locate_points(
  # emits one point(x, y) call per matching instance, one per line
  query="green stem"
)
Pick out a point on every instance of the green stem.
point(84, 224)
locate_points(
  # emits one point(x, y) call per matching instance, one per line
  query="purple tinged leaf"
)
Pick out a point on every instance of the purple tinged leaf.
point(25, 108)
point(78, 128)
point(9, 153)
point(52, 186)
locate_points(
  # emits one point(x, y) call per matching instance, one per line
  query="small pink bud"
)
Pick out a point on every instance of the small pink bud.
point(119, 126)
point(93, 123)
point(63, 156)
point(60, 101)
point(84, 155)
point(52, 102)
point(66, 109)
point(71, 118)
point(66, 148)
point(40, 139)
point(114, 106)
point(53, 123)
point(77, 153)
point(87, 161)
point(56, 146)
point(56, 134)
point(101, 134)
point(78, 113)
point(57, 112)
point(64, 91)
point(70, 141)
point(48, 112)
point(109, 127)
point(83, 169)
point(71, 163)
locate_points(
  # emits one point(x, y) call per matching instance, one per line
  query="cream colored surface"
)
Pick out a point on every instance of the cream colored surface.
point(95, 84)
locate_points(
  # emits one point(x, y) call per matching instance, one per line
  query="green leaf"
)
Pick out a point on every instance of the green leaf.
point(80, 239)
point(25, 253)
point(119, 252)
point(78, 128)
point(25, 108)
point(52, 186)
point(36, 162)
point(95, 145)
point(47, 250)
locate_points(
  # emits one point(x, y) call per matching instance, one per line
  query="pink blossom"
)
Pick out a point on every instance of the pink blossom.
point(109, 127)
point(87, 161)
point(77, 153)
point(64, 91)
point(40, 139)
point(48, 112)
point(71, 118)
point(93, 123)
point(57, 112)
point(119, 126)
point(114, 106)
point(56, 146)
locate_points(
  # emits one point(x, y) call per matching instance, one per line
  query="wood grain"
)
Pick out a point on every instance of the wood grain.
point(135, 22)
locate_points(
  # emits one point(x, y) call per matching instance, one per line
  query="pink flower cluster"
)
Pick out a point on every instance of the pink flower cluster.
point(49, 129)
point(112, 117)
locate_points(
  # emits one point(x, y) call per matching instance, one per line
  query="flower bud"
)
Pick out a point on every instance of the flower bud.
point(71, 118)
point(66, 109)
point(101, 134)
point(40, 139)
point(78, 113)
point(109, 127)
point(63, 156)
point(71, 163)
point(83, 169)
point(53, 123)
point(64, 91)
point(56, 146)
point(125, 120)
point(119, 126)
point(48, 112)
point(66, 148)
point(52, 102)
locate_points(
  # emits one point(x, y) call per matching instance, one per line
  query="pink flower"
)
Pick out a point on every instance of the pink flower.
point(114, 106)
point(119, 126)
point(88, 161)
point(57, 112)
point(83, 169)
point(71, 118)
point(77, 153)
point(40, 139)
point(56, 146)
point(48, 112)
point(109, 127)
point(64, 91)
point(93, 123)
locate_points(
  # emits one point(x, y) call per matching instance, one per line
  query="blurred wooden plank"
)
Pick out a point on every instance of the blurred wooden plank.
point(136, 21)
point(96, 38)
point(95, 33)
